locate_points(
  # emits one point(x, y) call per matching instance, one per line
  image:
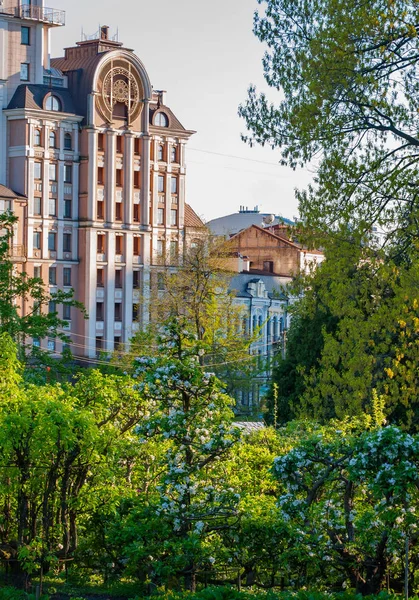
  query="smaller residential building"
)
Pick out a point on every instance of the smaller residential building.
point(264, 306)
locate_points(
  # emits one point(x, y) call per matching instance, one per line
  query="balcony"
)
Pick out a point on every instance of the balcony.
point(52, 16)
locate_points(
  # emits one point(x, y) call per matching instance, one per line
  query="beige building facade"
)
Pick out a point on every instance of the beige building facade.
point(98, 161)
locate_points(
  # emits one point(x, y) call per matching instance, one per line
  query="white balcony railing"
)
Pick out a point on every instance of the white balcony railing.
point(53, 16)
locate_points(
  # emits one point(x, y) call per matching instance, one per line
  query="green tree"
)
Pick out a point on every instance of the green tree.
point(197, 292)
point(65, 451)
point(355, 330)
point(16, 287)
point(347, 73)
point(195, 499)
point(350, 496)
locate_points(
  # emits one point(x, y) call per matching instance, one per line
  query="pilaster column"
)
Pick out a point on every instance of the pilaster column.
point(75, 197)
point(30, 187)
point(145, 181)
point(60, 189)
point(45, 211)
point(91, 174)
point(109, 330)
point(128, 287)
point(128, 178)
point(110, 177)
point(90, 293)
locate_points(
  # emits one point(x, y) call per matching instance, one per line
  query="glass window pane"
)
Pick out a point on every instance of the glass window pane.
point(25, 36)
point(24, 71)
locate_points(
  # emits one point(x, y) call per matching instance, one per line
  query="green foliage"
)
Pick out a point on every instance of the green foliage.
point(197, 292)
point(350, 497)
point(354, 334)
point(347, 73)
point(24, 302)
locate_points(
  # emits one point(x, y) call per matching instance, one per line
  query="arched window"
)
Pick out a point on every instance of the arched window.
point(53, 103)
point(260, 321)
point(161, 120)
point(160, 152)
point(37, 137)
point(68, 142)
point(52, 140)
point(173, 154)
point(254, 323)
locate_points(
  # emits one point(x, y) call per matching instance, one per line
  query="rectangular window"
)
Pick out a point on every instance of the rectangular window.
point(159, 247)
point(100, 211)
point(67, 209)
point(100, 279)
point(66, 312)
point(52, 307)
point(173, 217)
point(137, 179)
point(116, 342)
point(51, 345)
point(67, 242)
point(53, 172)
point(99, 344)
point(118, 244)
point(68, 173)
point(37, 203)
point(25, 36)
point(268, 265)
point(101, 141)
point(99, 311)
point(118, 311)
point(135, 312)
point(100, 171)
point(173, 185)
point(37, 240)
point(52, 207)
point(160, 216)
point(37, 170)
point(100, 243)
point(37, 272)
point(67, 276)
point(137, 246)
point(174, 249)
point(68, 142)
point(119, 176)
point(161, 285)
point(136, 279)
point(24, 71)
point(52, 241)
point(160, 183)
point(36, 342)
point(118, 211)
point(137, 145)
point(119, 144)
point(136, 215)
point(118, 279)
point(52, 276)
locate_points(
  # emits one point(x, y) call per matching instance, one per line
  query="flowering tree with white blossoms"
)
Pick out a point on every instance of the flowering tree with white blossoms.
point(351, 498)
point(189, 411)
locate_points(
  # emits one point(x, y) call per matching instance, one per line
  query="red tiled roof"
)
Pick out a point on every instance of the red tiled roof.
point(191, 218)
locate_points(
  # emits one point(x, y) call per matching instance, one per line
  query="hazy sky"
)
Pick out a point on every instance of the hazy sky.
point(205, 55)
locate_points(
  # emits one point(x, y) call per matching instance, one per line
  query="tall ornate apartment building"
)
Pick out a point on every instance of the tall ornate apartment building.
point(93, 163)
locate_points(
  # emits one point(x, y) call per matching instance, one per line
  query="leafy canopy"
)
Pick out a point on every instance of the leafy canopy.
point(347, 73)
